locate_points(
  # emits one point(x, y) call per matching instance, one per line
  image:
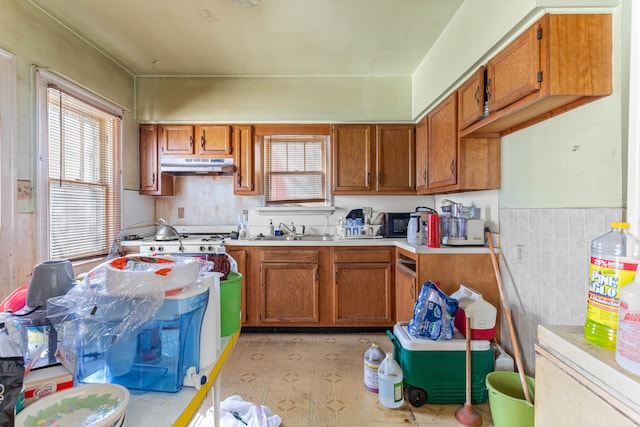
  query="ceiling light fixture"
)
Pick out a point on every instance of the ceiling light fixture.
point(247, 3)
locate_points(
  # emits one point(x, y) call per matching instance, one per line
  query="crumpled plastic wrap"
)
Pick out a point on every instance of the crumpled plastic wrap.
point(116, 298)
point(433, 314)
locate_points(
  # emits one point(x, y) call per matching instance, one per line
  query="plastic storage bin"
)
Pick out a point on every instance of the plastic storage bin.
point(435, 371)
point(157, 358)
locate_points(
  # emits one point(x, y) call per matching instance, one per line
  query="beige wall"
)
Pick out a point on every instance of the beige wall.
point(35, 39)
point(279, 99)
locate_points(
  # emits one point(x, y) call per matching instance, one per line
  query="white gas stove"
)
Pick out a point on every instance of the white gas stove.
point(193, 240)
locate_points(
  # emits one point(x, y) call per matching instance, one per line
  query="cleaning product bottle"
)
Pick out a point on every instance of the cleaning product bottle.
point(390, 383)
point(372, 359)
point(628, 339)
point(271, 228)
point(614, 259)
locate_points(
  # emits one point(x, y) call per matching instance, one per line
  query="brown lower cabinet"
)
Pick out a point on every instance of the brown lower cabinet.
point(342, 286)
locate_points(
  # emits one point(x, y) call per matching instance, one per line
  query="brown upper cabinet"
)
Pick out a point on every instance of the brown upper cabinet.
point(195, 140)
point(373, 159)
point(471, 98)
point(244, 159)
point(152, 182)
point(454, 163)
point(442, 144)
point(421, 156)
point(559, 63)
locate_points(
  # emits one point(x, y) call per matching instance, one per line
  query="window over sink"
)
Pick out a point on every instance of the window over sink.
point(295, 170)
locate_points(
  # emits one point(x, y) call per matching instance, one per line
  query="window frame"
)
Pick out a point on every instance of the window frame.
point(44, 79)
point(295, 139)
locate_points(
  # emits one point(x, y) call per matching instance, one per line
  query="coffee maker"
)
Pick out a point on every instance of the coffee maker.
point(460, 225)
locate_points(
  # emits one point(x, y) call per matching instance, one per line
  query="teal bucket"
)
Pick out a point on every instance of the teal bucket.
point(509, 407)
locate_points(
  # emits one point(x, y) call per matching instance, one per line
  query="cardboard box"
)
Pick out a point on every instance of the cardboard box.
point(45, 381)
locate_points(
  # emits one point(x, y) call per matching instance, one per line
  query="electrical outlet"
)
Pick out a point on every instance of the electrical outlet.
point(520, 253)
point(24, 189)
point(180, 213)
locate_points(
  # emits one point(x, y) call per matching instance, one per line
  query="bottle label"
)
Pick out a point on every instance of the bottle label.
point(606, 278)
point(397, 392)
point(628, 341)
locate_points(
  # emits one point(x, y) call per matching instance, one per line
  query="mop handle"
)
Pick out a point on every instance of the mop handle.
point(507, 314)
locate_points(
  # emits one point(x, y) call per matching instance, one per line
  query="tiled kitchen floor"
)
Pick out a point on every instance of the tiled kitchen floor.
point(317, 380)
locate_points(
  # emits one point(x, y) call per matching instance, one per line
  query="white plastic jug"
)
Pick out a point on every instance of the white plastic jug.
point(372, 359)
point(390, 383)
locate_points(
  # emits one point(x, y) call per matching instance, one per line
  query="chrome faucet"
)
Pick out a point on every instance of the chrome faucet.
point(291, 230)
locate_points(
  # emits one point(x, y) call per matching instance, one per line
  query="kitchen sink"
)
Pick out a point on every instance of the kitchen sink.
point(303, 237)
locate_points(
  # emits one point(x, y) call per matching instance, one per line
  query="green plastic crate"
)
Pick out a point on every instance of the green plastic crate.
point(435, 371)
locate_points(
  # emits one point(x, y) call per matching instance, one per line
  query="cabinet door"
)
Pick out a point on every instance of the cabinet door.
point(244, 160)
point(442, 145)
point(213, 140)
point(240, 256)
point(421, 156)
point(362, 294)
point(471, 100)
point(289, 293)
point(176, 140)
point(352, 153)
point(395, 154)
point(515, 72)
point(405, 293)
point(149, 170)
point(152, 182)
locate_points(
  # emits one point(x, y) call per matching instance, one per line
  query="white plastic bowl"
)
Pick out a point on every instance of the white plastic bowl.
point(88, 405)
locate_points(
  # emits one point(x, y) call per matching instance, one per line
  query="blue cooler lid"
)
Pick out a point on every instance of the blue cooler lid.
point(457, 343)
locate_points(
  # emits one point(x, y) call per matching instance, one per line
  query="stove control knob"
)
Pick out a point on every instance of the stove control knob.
point(203, 248)
point(152, 248)
point(210, 248)
point(160, 249)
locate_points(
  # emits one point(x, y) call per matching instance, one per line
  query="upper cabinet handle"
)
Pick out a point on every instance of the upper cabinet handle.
point(202, 142)
point(475, 95)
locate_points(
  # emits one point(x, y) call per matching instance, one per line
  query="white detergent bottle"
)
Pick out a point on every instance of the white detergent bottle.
point(628, 339)
point(390, 383)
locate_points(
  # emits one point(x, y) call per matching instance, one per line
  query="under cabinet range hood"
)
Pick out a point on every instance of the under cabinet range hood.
point(195, 165)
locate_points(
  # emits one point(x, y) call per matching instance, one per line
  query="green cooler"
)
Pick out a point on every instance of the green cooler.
point(435, 371)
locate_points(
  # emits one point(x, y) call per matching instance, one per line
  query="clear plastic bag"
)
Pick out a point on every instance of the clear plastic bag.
point(95, 313)
point(236, 412)
point(433, 314)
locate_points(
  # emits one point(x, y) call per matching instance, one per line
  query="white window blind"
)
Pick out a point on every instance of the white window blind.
point(84, 177)
point(295, 169)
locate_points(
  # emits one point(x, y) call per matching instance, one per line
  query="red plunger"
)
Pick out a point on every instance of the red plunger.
point(466, 415)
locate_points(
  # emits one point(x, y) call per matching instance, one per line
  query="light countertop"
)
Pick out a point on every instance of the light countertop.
point(598, 365)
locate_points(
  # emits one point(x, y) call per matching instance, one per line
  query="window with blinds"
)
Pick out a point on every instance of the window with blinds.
point(83, 144)
point(295, 169)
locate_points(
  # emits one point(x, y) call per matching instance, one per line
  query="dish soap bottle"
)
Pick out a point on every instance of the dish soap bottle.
point(271, 229)
point(614, 260)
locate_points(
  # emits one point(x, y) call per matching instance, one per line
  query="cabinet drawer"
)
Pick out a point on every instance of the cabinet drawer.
point(289, 256)
point(363, 255)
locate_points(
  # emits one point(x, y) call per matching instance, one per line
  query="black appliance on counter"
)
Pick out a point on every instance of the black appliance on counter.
point(394, 224)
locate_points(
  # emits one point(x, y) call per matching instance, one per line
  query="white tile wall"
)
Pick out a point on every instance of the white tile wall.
point(544, 265)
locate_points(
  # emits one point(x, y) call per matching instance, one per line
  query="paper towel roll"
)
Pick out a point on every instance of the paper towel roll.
point(210, 342)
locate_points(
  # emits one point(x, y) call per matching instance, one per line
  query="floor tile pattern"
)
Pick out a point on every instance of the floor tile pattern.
point(317, 380)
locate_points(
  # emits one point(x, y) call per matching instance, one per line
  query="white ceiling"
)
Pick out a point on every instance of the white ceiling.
point(275, 38)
